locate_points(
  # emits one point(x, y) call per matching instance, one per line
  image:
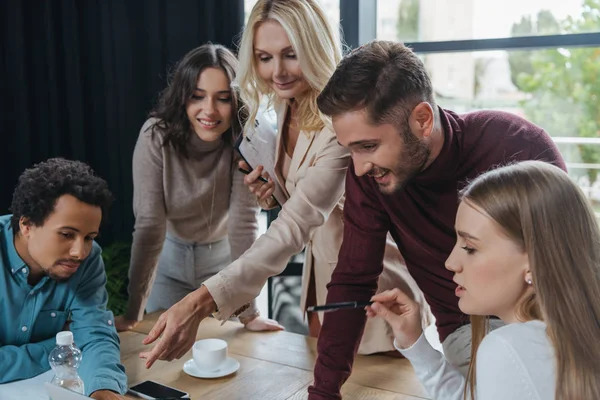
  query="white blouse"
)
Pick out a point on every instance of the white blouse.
point(514, 362)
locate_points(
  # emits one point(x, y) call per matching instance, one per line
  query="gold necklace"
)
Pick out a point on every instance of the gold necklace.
point(212, 204)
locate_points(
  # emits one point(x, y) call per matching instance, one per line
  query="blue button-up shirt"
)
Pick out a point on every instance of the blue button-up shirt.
point(31, 316)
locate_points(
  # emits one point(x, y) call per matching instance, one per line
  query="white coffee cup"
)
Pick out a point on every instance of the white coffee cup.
point(209, 354)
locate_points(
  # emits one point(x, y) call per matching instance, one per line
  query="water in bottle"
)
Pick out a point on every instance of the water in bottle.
point(64, 359)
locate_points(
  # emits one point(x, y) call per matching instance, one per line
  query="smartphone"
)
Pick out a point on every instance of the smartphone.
point(154, 390)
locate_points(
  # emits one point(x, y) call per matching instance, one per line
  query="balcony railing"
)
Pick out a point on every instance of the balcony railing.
point(575, 169)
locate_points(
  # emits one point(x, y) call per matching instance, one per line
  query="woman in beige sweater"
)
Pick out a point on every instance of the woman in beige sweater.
point(193, 215)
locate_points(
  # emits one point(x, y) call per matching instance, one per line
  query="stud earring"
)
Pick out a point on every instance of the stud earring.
point(529, 281)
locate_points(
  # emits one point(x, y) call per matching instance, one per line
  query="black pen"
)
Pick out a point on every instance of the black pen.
point(260, 178)
point(338, 306)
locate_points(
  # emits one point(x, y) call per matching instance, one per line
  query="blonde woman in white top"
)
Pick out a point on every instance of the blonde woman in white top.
point(287, 53)
point(527, 252)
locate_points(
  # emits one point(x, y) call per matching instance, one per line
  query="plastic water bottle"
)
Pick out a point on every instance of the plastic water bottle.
point(64, 359)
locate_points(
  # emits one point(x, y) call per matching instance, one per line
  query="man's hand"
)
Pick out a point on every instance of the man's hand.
point(106, 395)
point(123, 324)
point(178, 326)
point(262, 324)
point(401, 313)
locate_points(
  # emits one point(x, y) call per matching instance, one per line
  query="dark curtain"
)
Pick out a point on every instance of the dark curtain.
point(78, 78)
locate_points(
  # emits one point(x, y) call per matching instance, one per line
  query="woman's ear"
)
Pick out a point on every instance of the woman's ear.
point(528, 278)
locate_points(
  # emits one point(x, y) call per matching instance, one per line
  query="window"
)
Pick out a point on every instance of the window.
point(540, 60)
point(554, 88)
point(441, 20)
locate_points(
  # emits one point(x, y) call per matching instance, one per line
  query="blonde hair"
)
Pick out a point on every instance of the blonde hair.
point(317, 47)
point(541, 209)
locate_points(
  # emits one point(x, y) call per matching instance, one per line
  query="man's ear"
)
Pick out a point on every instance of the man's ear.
point(422, 120)
point(25, 226)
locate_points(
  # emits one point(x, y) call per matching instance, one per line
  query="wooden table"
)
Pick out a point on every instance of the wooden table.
point(275, 365)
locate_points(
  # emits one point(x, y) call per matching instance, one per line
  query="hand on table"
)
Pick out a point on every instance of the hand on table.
point(402, 314)
point(122, 324)
point(260, 189)
point(259, 324)
point(178, 327)
point(106, 395)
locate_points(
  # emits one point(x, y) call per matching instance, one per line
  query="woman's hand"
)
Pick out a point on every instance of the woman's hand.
point(123, 324)
point(106, 395)
point(402, 314)
point(260, 324)
point(260, 189)
point(178, 327)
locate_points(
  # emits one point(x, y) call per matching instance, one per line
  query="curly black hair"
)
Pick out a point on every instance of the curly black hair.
point(40, 187)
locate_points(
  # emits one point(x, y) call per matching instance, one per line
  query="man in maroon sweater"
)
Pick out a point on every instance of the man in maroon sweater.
point(410, 158)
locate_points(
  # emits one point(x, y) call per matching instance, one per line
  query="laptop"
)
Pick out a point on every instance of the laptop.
point(60, 393)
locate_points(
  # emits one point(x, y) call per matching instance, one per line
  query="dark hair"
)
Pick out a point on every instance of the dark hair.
point(40, 187)
point(386, 78)
point(170, 109)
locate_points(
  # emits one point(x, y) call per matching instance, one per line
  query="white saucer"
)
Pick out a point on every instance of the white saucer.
point(229, 367)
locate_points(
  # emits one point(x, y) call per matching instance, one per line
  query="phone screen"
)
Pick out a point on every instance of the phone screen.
point(156, 390)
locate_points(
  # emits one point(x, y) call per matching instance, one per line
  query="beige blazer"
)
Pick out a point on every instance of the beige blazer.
point(311, 217)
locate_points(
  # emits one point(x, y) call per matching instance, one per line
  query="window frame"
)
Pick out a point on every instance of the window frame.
point(358, 21)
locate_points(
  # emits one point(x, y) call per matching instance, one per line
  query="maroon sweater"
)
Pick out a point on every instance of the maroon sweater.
point(421, 221)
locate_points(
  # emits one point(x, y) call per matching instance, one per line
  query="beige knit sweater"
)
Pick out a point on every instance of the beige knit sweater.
point(170, 194)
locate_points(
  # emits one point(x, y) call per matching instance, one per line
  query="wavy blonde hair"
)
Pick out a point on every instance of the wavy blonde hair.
point(544, 212)
point(316, 45)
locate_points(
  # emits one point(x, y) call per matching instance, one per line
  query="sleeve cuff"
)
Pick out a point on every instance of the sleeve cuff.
point(250, 313)
point(106, 384)
point(417, 343)
point(420, 353)
point(216, 287)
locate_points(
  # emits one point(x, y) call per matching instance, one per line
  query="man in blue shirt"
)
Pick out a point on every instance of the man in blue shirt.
point(52, 277)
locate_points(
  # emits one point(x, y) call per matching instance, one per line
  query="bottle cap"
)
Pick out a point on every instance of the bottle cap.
point(64, 338)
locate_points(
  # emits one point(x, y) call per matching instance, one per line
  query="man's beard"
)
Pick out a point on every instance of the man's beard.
point(49, 272)
point(55, 277)
point(416, 153)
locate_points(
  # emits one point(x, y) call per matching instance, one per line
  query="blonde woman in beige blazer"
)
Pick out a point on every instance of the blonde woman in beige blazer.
point(314, 184)
point(287, 53)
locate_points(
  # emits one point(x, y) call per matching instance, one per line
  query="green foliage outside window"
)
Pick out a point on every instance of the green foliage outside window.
point(408, 21)
point(564, 83)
